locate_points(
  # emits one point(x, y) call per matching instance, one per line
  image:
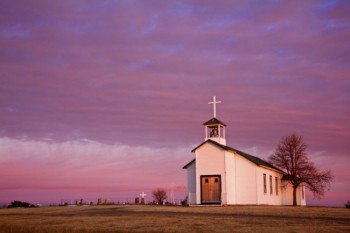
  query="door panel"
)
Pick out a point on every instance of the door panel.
point(211, 189)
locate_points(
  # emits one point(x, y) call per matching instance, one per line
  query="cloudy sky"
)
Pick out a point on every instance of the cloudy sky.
point(107, 98)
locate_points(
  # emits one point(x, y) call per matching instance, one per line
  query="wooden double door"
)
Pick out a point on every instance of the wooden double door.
point(211, 189)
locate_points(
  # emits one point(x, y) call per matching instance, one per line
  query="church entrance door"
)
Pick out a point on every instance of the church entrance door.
point(211, 189)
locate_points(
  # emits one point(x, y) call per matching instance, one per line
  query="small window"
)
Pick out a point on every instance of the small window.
point(276, 185)
point(264, 184)
point(206, 180)
point(271, 192)
point(216, 180)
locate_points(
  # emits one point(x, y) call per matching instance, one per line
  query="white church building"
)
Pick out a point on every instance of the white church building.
point(222, 175)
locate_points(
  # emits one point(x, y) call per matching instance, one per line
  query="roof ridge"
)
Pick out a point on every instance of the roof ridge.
point(258, 161)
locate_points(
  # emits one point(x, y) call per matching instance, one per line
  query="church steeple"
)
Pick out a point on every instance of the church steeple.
point(215, 129)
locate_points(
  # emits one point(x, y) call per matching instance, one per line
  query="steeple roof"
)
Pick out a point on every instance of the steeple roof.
point(214, 121)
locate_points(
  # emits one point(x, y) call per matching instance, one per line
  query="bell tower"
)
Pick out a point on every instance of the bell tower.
point(215, 129)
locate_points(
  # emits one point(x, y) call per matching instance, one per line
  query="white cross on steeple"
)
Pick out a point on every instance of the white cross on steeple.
point(214, 103)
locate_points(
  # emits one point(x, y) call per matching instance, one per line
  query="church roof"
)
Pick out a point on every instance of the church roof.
point(214, 121)
point(286, 177)
point(251, 158)
point(185, 167)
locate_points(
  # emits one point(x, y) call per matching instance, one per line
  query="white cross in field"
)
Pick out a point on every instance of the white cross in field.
point(143, 195)
point(214, 103)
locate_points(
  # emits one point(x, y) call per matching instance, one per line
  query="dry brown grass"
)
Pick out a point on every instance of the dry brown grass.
point(175, 219)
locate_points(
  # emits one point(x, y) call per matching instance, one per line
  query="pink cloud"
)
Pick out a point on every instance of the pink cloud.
point(87, 168)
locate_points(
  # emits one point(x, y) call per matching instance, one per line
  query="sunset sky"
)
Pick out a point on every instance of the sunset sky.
point(107, 98)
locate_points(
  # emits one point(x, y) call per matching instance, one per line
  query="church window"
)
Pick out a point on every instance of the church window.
point(265, 184)
point(271, 192)
point(276, 185)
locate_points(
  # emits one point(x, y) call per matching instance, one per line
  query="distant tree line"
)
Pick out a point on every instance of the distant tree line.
point(16, 204)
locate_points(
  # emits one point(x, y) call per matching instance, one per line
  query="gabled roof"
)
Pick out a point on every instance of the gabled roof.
point(214, 121)
point(185, 167)
point(249, 157)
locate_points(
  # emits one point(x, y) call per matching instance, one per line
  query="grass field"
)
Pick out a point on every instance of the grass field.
point(175, 219)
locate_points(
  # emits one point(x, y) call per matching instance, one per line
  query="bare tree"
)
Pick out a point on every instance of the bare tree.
point(159, 195)
point(290, 156)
